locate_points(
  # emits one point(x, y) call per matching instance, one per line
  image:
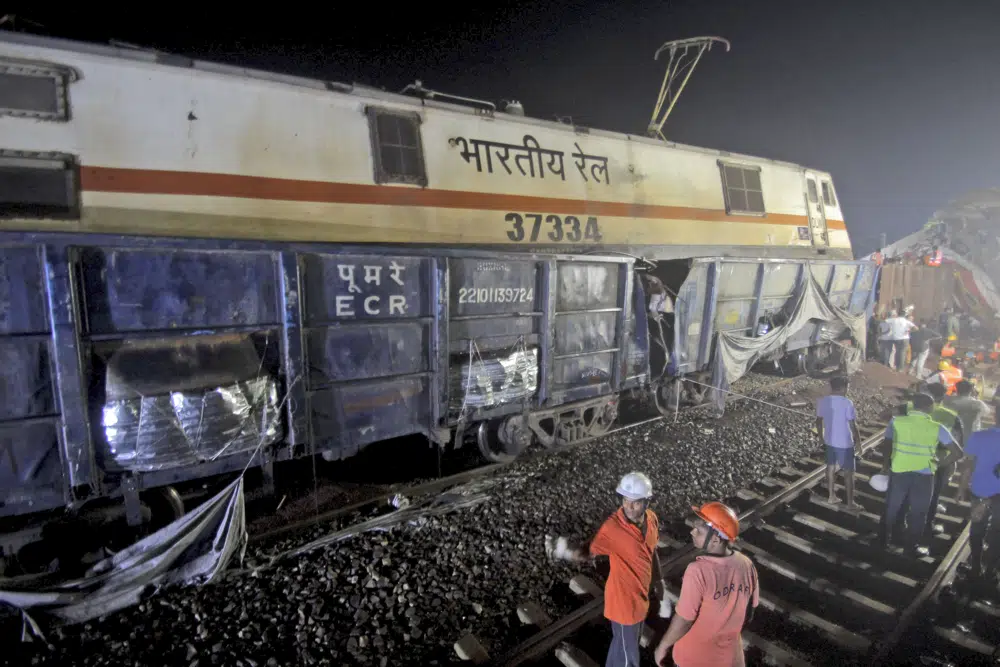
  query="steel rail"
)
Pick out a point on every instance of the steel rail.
point(942, 574)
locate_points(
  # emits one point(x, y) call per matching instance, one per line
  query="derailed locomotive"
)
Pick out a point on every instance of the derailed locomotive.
point(204, 268)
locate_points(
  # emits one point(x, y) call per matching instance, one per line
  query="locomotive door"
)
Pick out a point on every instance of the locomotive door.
point(817, 216)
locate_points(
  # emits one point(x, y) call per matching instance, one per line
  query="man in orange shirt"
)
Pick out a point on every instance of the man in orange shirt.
point(718, 595)
point(628, 538)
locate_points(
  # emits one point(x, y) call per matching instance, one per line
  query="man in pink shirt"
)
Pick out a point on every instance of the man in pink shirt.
point(718, 595)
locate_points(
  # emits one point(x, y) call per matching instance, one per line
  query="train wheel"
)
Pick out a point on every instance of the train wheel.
point(515, 434)
point(165, 506)
point(159, 507)
point(667, 396)
point(794, 364)
point(491, 446)
point(602, 419)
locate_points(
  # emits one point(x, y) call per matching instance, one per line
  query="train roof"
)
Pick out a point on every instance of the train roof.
point(155, 57)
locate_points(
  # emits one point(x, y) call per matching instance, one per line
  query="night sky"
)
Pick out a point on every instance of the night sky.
point(898, 99)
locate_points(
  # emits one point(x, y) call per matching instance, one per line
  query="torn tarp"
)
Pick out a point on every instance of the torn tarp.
point(734, 354)
point(194, 549)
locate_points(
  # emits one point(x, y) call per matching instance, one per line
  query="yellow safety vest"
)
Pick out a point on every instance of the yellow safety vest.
point(945, 416)
point(914, 442)
point(942, 414)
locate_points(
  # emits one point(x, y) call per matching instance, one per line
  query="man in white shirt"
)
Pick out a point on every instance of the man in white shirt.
point(899, 335)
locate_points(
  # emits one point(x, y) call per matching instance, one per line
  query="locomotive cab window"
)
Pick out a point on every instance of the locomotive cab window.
point(396, 147)
point(813, 196)
point(828, 198)
point(741, 186)
point(36, 187)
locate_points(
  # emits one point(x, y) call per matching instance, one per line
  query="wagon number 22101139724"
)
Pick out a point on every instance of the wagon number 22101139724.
point(569, 228)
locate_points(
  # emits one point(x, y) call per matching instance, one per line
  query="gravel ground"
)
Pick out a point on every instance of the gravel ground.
point(403, 597)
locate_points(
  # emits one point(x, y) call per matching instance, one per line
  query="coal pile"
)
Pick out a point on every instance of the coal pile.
point(403, 596)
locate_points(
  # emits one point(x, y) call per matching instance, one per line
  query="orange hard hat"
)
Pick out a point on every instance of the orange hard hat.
point(719, 518)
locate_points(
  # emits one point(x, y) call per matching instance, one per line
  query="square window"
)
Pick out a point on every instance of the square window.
point(742, 189)
point(396, 146)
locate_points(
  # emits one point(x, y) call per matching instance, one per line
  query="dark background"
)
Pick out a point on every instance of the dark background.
point(898, 99)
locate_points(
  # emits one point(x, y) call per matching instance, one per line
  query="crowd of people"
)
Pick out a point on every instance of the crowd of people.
point(933, 437)
point(905, 344)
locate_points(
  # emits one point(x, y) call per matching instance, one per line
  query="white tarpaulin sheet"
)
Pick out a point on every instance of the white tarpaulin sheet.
point(194, 549)
point(734, 353)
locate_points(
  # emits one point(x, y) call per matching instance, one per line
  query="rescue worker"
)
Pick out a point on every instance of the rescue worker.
point(629, 538)
point(948, 418)
point(718, 595)
point(979, 476)
point(948, 375)
point(909, 455)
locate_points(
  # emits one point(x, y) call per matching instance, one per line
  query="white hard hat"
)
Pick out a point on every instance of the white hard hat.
point(879, 482)
point(635, 486)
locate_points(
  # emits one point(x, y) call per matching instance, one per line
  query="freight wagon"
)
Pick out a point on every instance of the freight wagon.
point(131, 365)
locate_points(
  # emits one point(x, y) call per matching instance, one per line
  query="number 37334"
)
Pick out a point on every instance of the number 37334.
point(530, 226)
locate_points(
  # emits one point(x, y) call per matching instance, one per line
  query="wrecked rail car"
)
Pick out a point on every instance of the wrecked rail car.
point(134, 364)
point(720, 298)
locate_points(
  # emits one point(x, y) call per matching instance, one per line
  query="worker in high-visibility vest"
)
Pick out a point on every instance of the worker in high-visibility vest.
point(910, 459)
point(948, 374)
point(934, 257)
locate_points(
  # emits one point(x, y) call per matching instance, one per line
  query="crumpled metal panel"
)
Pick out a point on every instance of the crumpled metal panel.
point(185, 428)
point(690, 311)
point(494, 380)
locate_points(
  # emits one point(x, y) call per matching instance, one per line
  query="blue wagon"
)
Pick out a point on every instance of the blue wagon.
point(131, 365)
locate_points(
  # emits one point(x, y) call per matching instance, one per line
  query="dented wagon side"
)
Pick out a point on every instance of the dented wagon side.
point(750, 297)
point(131, 363)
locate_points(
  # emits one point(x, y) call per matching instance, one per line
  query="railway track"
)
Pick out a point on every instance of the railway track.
point(421, 489)
point(380, 499)
point(829, 593)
